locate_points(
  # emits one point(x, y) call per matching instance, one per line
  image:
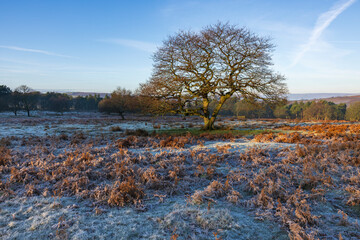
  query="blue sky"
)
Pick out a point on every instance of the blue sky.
point(93, 45)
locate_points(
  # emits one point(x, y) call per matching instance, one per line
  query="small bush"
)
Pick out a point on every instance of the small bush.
point(137, 132)
point(5, 142)
point(115, 129)
point(5, 156)
point(63, 137)
point(125, 192)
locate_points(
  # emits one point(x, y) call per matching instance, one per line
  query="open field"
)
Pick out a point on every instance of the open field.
point(92, 176)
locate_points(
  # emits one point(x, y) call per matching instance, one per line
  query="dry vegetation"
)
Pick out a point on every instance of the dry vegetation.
point(310, 188)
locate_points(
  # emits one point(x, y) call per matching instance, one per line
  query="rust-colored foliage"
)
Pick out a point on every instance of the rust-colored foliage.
point(125, 192)
point(5, 156)
point(214, 190)
point(282, 184)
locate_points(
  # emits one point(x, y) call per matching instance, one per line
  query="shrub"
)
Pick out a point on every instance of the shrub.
point(115, 129)
point(125, 192)
point(137, 132)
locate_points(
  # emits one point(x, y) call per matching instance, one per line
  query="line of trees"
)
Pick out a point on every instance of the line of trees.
point(123, 101)
point(23, 98)
point(312, 110)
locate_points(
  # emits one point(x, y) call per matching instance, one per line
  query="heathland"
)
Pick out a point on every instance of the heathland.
point(93, 176)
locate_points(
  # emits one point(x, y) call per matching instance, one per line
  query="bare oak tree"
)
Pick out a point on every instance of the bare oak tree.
point(193, 68)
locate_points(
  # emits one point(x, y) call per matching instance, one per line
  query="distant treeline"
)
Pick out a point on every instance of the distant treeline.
point(310, 110)
point(122, 101)
point(24, 98)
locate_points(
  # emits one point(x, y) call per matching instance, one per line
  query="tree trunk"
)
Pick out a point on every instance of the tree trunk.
point(28, 112)
point(209, 122)
point(122, 115)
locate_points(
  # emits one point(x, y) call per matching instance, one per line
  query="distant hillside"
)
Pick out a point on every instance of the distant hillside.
point(77, 94)
point(343, 99)
point(311, 96)
point(74, 94)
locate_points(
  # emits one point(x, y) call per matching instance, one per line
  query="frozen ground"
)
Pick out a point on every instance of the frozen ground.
point(49, 123)
point(68, 217)
point(183, 207)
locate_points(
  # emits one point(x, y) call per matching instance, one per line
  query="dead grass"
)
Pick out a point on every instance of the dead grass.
point(283, 185)
point(5, 157)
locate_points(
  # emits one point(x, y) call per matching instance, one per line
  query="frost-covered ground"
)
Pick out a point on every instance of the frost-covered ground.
point(42, 123)
point(45, 123)
point(45, 218)
point(60, 177)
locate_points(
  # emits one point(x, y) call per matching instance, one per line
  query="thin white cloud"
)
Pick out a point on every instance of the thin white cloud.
point(34, 51)
point(140, 45)
point(323, 21)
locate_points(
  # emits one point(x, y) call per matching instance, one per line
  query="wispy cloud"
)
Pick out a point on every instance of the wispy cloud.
point(323, 21)
point(34, 51)
point(140, 45)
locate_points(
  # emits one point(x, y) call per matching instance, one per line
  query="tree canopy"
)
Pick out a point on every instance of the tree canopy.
point(192, 68)
point(120, 101)
point(353, 112)
point(5, 93)
point(28, 98)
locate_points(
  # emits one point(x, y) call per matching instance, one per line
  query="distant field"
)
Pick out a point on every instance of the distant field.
point(92, 176)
